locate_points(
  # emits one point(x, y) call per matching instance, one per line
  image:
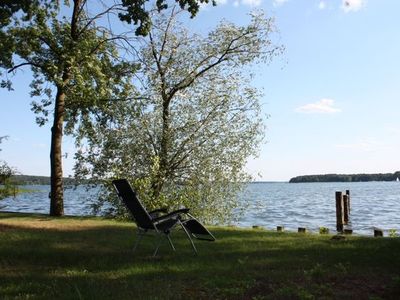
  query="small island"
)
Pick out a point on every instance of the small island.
point(347, 177)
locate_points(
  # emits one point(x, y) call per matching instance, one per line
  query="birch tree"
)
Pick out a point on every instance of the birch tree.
point(198, 121)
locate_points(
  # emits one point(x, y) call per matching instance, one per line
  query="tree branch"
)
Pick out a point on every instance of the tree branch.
point(24, 64)
point(160, 70)
point(188, 80)
point(99, 15)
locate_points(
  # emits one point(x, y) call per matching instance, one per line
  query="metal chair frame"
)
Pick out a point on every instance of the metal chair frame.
point(142, 232)
point(147, 221)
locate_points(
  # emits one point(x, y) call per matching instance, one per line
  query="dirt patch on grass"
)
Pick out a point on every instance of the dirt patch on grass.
point(5, 227)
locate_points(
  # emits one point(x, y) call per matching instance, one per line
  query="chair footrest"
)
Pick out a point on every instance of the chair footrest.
point(197, 230)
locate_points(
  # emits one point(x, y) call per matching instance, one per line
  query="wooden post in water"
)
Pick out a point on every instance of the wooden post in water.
point(301, 230)
point(339, 212)
point(348, 200)
point(378, 232)
point(346, 209)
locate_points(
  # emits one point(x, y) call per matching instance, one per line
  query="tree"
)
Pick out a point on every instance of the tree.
point(199, 119)
point(6, 188)
point(6, 172)
point(75, 56)
point(75, 66)
point(137, 13)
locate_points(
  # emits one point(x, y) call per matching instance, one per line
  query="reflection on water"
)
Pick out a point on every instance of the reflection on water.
point(310, 205)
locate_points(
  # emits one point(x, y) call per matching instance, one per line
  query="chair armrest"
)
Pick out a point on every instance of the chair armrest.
point(171, 214)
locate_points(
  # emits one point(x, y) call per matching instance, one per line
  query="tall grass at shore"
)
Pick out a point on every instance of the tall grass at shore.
point(13, 191)
point(91, 258)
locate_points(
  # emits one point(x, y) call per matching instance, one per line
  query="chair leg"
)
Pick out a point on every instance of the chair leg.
point(159, 244)
point(190, 239)
point(138, 239)
point(170, 242)
point(157, 247)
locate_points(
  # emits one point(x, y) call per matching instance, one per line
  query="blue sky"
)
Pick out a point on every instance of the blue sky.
point(333, 98)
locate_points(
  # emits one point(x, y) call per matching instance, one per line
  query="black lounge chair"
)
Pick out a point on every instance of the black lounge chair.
point(160, 224)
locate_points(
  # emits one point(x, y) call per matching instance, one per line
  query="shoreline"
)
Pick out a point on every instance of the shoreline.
point(387, 232)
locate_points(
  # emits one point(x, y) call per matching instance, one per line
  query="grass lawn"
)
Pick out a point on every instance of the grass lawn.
point(91, 258)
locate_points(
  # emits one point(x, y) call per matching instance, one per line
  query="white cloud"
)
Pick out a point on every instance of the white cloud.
point(279, 2)
point(206, 6)
point(251, 3)
point(237, 3)
point(364, 145)
point(352, 5)
point(322, 5)
point(324, 106)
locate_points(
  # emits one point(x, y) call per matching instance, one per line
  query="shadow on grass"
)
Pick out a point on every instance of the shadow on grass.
point(97, 262)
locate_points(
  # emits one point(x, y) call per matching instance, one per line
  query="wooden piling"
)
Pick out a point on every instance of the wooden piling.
point(348, 200)
point(346, 209)
point(378, 232)
point(279, 228)
point(339, 212)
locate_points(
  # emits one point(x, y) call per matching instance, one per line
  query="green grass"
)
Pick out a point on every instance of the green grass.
point(91, 258)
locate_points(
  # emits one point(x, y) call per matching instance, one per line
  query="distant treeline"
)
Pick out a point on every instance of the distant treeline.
point(37, 180)
point(346, 177)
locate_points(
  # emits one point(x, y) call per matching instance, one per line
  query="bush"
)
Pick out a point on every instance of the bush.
point(6, 187)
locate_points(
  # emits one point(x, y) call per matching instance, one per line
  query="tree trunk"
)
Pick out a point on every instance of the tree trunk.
point(57, 192)
point(158, 182)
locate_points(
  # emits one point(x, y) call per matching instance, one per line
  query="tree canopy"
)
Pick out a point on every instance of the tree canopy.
point(137, 13)
point(75, 65)
point(185, 139)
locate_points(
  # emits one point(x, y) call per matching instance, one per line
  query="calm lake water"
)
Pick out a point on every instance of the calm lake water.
point(310, 205)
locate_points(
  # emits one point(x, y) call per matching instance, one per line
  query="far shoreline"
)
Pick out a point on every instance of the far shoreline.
point(346, 177)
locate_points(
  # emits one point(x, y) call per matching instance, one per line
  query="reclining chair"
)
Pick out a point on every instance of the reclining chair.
point(160, 224)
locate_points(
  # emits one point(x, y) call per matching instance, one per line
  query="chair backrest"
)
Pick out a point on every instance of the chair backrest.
point(131, 201)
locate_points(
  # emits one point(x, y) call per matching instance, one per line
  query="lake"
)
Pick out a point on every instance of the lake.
point(292, 205)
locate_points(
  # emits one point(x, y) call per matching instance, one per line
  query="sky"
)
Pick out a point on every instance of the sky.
point(332, 99)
